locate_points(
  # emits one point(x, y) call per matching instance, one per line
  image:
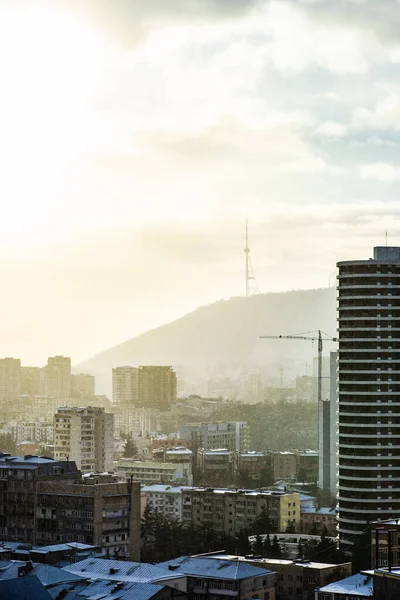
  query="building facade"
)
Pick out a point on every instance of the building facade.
point(82, 386)
point(232, 435)
point(149, 472)
point(85, 435)
point(10, 383)
point(369, 386)
point(57, 377)
point(125, 386)
point(157, 387)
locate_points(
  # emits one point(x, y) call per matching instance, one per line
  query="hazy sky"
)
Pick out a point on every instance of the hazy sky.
point(135, 136)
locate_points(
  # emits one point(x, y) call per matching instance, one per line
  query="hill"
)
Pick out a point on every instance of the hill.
point(222, 339)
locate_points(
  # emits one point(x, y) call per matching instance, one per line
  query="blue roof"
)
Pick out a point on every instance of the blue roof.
point(99, 568)
point(24, 588)
point(320, 511)
point(114, 590)
point(46, 574)
point(214, 567)
point(356, 585)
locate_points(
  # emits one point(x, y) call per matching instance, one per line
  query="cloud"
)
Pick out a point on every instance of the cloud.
point(331, 129)
point(381, 172)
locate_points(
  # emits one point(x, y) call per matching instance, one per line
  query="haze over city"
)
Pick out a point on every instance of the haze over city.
point(137, 136)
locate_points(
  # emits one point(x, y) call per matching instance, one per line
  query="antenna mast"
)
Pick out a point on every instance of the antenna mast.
point(250, 277)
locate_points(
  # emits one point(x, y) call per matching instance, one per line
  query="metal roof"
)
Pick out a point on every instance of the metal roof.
point(46, 574)
point(214, 567)
point(24, 588)
point(356, 585)
point(117, 570)
point(113, 590)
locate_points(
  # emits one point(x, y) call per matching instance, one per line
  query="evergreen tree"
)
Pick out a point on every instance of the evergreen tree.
point(130, 449)
point(290, 528)
point(276, 550)
point(267, 546)
point(300, 551)
point(258, 545)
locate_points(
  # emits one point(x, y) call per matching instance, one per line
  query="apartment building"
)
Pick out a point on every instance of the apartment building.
point(57, 377)
point(297, 580)
point(232, 511)
point(31, 381)
point(148, 472)
point(232, 435)
point(284, 465)
point(125, 386)
point(157, 387)
point(255, 466)
point(34, 431)
point(131, 420)
point(82, 386)
point(215, 465)
point(98, 509)
point(85, 435)
point(208, 576)
point(10, 383)
point(165, 499)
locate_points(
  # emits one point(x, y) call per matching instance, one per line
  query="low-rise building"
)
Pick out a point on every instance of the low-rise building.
point(256, 467)
point(284, 465)
point(297, 580)
point(211, 577)
point(231, 511)
point(355, 587)
point(215, 466)
point(232, 435)
point(148, 472)
point(315, 521)
point(165, 499)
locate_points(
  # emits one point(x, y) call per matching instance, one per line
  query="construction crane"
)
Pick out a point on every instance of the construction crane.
point(319, 339)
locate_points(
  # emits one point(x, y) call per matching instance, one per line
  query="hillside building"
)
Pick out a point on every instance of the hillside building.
point(369, 386)
point(10, 383)
point(157, 387)
point(125, 386)
point(32, 381)
point(86, 436)
point(82, 386)
point(149, 472)
point(232, 435)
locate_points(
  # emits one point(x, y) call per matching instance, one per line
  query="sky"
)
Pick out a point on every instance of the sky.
point(135, 138)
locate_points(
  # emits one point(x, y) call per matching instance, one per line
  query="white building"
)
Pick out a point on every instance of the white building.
point(166, 499)
point(34, 431)
point(130, 420)
point(85, 435)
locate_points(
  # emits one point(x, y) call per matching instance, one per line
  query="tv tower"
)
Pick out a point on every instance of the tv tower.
point(251, 283)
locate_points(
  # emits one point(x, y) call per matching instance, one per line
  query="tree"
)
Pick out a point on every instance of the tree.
point(7, 443)
point(290, 528)
point(130, 449)
point(300, 551)
point(267, 546)
point(276, 550)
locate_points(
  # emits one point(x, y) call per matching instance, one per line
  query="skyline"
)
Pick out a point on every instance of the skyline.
point(132, 157)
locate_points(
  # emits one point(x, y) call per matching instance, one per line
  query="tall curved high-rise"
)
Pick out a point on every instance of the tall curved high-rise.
point(369, 391)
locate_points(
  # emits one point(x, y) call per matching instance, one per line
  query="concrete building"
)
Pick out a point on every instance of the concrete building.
point(284, 465)
point(35, 431)
point(369, 386)
point(298, 579)
point(215, 466)
point(10, 383)
point(85, 435)
point(31, 381)
point(57, 377)
point(157, 387)
point(232, 435)
point(125, 386)
point(149, 472)
point(316, 520)
point(232, 511)
point(97, 510)
point(82, 386)
point(135, 421)
point(327, 423)
point(165, 499)
point(212, 577)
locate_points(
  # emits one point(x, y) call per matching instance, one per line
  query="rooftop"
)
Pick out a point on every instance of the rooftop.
point(356, 585)
point(117, 570)
point(275, 561)
point(47, 575)
point(24, 588)
point(209, 566)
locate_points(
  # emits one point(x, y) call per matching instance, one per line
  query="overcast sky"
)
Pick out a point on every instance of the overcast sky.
point(135, 136)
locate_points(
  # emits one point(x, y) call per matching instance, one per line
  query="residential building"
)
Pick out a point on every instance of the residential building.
point(125, 386)
point(20, 478)
point(157, 387)
point(232, 511)
point(297, 579)
point(307, 466)
point(85, 435)
point(256, 467)
point(57, 377)
point(316, 521)
point(149, 472)
point(165, 499)
point(31, 381)
point(10, 383)
point(369, 386)
point(327, 423)
point(215, 466)
point(82, 386)
point(232, 435)
point(35, 431)
point(179, 454)
point(212, 577)
point(385, 544)
point(357, 587)
point(135, 421)
point(284, 465)
point(386, 584)
point(99, 510)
